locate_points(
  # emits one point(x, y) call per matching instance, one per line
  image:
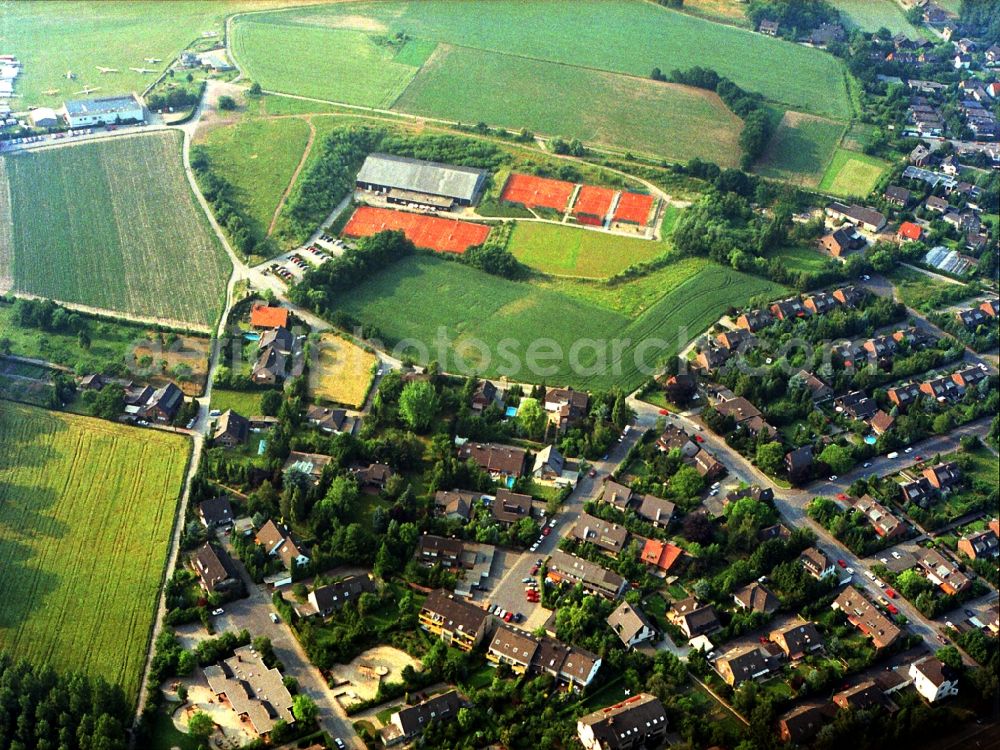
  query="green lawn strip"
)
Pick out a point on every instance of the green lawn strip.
point(575, 251)
point(852, 174)
point(916, 289)
point(801, 149)
point(871, 15)
point(246, 403)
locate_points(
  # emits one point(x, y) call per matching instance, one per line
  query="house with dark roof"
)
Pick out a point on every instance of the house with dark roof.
point(886, 524)
point(455, 621)
point(903, 395)
point(787, 309)
point(630, 625)
point(456, 504)
point(944, 476)
point(970, 377)
point(941, 389)
point(278, 541)
point(328, 599)
point(848, 296)
point(680, 388)
point(215, 569)
point(706, 465)
point(866, 617)
point(754, 320)
point(439, 550)
point(754, 491)
point(656, 510)
point(867, 218)
point(328, 420)
point(827, 33)
point(755, 597)
point(769, 28)
point(798, 464)
point(523, 652)
point(897, 196)
point(856, 405)
point(484, 395)
point(231, 429)
point(409, 722)
point(500, 461)
point(216, 512)
point(797, 640)
point(858, 697)
point(617, 494)
point(820, 303)
point(979, 545)
point(738, 339)
point(566, 407)
point(610, 537)
point(550, 467)
point(164, 404)
point(820, 390)
point(942, 572)
point(934, 679)
point(743, 665)
point(594, 578)
point(510, 507)
point(816, 563)
point(802, 723)
point(918, 491)
point(693, 618)
point(637, 722)
point(674, 437)
point(270, 368)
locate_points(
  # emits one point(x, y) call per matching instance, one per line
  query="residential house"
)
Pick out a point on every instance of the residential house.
point(455, 621)
point(918, 491)
point(788, 308)
point(706, 465)
point(972, 318)
point(637, 722)
point(754, 320)
point(942, 572)
point(680, 388)
point(904, 395)
point(944, 476)
point(279, 338)
point(163, 404)
point(992, 54)
point(848, 296)
point(970, 377)
point(409, 722)
point(216, 512)
point(255, 692)
point(950, 165)
point(754, 491)
point(330, 421)
point(827, 33)
point(566, 406)
point(550, 467)
point(856, 405)
point(510, 507)
point(328, 599)
point(860, 696)
point(897, 196)
point(711, 357)
point(942, 388)
point(310, 464)
point(820, 303)
point(770, 28)
point(802, 723)
point(594, 578)
point(885, 523)
point(215, 569)
point(797, 640)
point(674, 437)
point(843, 240)
point(756, 597)
point(485, 395)
point(746, 415)
point(231, 429)
point(693, 618)
point(660, 556)
point(92, 382)
point(881, 422)
point(270, 368)
point(991, 307)
point(656, 510)
point(737, 339)
point(743, 665)
point(866, 617)
point(798, 464)
point(909, 232)
point(610, 537)
point(617, 495)
point(455, 504)
point(278, 541)
point(439, 550)
point(979, 544)
point(503, 462)
point(262, 316)
point(920, 155)
point(881, 348)
point(866, 218)
point(820, 390)
point(631, 625)
point(934, 679)
point(816, 563)
point(523, 652)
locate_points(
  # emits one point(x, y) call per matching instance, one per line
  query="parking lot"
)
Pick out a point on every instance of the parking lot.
point(290, 267)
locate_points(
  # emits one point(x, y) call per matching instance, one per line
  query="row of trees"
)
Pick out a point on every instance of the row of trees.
point(229, 212)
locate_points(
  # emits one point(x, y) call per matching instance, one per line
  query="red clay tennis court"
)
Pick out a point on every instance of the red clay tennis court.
point(529, 190)
point(433, 232)
point(592, 204)
point(633, 208)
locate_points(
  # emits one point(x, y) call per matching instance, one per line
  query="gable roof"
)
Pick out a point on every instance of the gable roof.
point(628, 622)
point(606, 535)
point(213, 565)
point(419, 176)
point(618, 725)
point(757, 598)
point(232, 425)
point(216, 510)
point(655, 509)
point(413, 719)
point(456, 615)
point(338, 593)
point(263, 316)
point(663, 555)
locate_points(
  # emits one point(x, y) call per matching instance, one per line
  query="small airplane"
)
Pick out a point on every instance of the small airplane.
point(51, 92)
point(143, 70)
point(153, 60)
point(88, 90)
point(70, 75)
point(106, 70)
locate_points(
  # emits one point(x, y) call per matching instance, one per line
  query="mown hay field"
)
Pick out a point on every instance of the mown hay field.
point(630, 36)
point(496, 325)
point(800, 149)
point(871, 15)
point(86, 509)
point(625, 112)
point(342, 372)
point(572, 251)
point(113, 224)
point(852, 174)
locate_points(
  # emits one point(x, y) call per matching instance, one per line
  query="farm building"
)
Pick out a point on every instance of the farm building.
point(43, 117)
point(82, 113)
point(423, 183)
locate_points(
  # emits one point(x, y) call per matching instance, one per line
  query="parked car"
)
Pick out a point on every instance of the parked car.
point(890, 593)
point(339, 743)
point(896, 555)
point(546, 531)
point(892, 608)
point(534, 570)
point(699, 438)
point(908, 449)
point(526, 579)
point(217, 612)
point(842, 563)
point(664, 412)
point(274, 618)
point(970, 613)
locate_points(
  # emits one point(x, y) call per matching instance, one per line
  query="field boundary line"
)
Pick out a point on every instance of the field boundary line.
point(294, 178)
point(103, 312)
point(6, 231)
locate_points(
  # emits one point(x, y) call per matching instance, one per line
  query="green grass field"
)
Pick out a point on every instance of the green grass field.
point(800, 149)
point(246, 403)
point(572, 251)
point(86, 508)
point(114, 225)
point(459, 83)
point(258, 157)
point(852, 174)
point(918, 290)
point(338, 64)
point(871, 15)
point(502, 326)
point(801, 259)
point(627, 37)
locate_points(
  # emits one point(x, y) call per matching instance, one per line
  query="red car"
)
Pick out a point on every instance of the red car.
point(508, 617)
point(892, 609)
point(890, 593)
point(534, 570)
point(919, 458)
point(841, 563)
point(699, 438)
point(841, 496)
point(664, 412)
point(546, 531)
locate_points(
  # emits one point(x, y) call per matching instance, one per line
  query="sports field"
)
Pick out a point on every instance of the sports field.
point(258, 157)
point(633, 208)
point(800, 149)
point(500, 327)
point(114, 225)
point(625, 112)
point(871, 15)
point(431, 232)
point(630, 36)
point(852, 174)
point(336, 64)
point(86, 509)
point(534, 192)
point(574, 251)
point(343, 372)
point(592, 203)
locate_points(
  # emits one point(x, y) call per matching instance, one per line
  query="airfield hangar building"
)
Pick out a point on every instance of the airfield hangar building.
point(425, 184)
point(84, 113)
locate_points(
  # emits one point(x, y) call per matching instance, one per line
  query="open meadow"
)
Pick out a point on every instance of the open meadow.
point(86, 509)
point(800, 149)
point(573, 251)
point(623, 112)
point(498, 321)
point(852, 174)
point(342, 372)
point(627, 37)
point(871, 15)
point(113, 224)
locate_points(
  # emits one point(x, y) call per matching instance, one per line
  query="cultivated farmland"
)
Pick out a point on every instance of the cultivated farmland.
point(630, 36)
point(342, 373)
point(626, 112)
point(86, 508)
point(114, 225)
point(800, 149)
point(492, 323)
point(852, 174)
point(572, 251)
point(871, 15)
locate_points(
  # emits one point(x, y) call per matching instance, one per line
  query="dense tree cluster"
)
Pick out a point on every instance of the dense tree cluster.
point(796, 16)
point(228, 210)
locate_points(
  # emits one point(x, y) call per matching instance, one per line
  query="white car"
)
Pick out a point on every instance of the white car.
point(896, 555)
point(217, 612)
point(833, 477)
point(274, 618)
point(215, 413)
point(908, 449)
point(534, 547)
point(849, 571)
